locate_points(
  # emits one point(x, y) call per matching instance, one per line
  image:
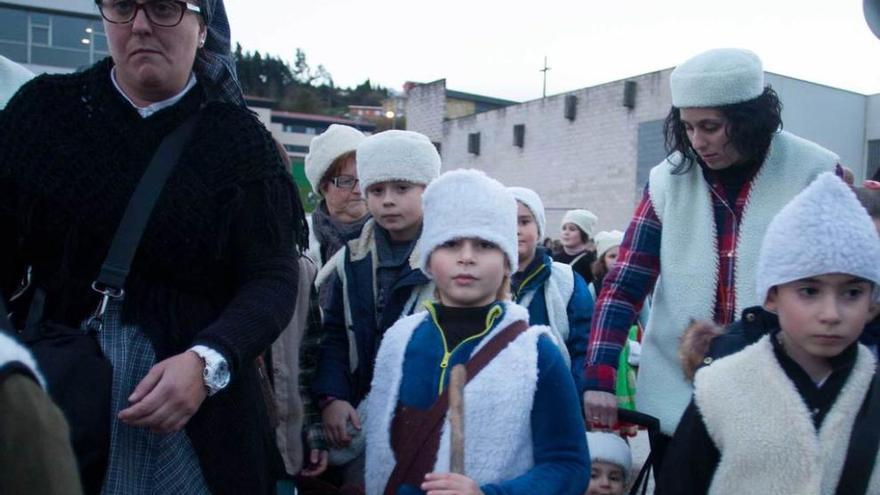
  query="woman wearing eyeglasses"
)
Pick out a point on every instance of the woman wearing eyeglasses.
point(215, 271)
point(332, 171)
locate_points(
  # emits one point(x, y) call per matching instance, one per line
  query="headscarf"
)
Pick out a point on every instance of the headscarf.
point(214, 64)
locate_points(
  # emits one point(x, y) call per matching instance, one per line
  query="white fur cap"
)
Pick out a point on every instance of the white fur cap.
point(533, 202)
point(336, 141)
point(823, 230)
point(13, 351)
point(606, 240)
point(717, 77)
point(610, 448)
point(397, 155)
point(12, 77)
point(584, 219)
point(467, 203)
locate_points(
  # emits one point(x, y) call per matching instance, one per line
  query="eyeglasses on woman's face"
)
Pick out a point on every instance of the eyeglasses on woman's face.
point(164, 13)
point(344, 181)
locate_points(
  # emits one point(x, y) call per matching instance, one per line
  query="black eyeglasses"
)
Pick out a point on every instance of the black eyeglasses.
point(165, 13)
point(344, 181)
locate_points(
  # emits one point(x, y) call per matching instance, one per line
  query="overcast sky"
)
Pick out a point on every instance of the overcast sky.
point(496, 48)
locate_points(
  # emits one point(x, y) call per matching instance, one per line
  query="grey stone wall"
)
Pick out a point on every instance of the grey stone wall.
point(589, 162)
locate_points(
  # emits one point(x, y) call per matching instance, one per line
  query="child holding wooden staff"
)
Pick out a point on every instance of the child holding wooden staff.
point(522, 430)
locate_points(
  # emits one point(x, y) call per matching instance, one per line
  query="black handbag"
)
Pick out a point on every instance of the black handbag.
point(78, 375)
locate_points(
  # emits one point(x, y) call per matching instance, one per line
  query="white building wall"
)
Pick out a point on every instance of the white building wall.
point(832, 117)
point(426, 109)
point(872, 127)
point(586, 163)
point(591, 162)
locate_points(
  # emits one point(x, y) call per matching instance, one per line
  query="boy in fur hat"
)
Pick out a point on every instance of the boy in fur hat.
point(378, 278)
point(553, 293)
point(778, 416)
point(522, 430)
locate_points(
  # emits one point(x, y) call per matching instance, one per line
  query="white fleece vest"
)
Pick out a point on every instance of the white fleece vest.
point(557, 293)
point(498, 406)
point(11, 351)
point(761, 425)
point(358, 249)
point(686, 287)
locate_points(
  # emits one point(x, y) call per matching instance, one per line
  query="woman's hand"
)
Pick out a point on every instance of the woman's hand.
point(335, 418)
point(450, 484)
point(317, 463)
point(169, 395)
point(600, 409)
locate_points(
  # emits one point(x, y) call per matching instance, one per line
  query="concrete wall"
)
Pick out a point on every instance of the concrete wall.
point(589, 162)
point(834, 118)
point(599, 161)
point(459, 108)
point(872, 128)
point(426, 109)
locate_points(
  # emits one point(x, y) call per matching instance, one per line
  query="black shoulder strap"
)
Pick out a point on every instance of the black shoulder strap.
point(863, 445)
point(137, 213)
point(114, 271)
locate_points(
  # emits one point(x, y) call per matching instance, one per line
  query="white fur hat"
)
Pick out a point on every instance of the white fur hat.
point(717, 77)
point(606, 240)
point(533, 202)
point(584, 219)
point(610, 448)
point(397, 155)
point(467, 203)
point(336, 141)
point(823, 230)
point(12, 77)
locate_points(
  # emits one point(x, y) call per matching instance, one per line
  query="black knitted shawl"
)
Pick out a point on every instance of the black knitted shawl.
point(217, 263)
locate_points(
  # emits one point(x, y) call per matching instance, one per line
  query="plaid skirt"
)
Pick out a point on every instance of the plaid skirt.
point(141, 462)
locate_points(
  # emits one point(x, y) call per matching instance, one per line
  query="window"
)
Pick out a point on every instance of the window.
point(293, 148)
point(651, 150)
point(70, 32)
point(474, 143)
point(873, 159)
point(40, 35)
point(519, 135)
point(13, 25)
point(59, 57)
point(571, 102)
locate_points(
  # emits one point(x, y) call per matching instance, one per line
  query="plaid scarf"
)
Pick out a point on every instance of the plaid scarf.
point(215, 65)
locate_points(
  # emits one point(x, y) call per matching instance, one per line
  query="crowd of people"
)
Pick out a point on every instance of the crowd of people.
point(419, 332)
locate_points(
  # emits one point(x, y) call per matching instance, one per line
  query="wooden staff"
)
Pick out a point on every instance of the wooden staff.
point(456, 417)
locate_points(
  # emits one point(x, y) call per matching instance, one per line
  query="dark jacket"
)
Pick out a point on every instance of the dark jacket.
point(217, 264)
point(334, 377)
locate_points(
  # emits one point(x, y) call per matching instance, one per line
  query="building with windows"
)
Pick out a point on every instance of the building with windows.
point(295, 132)
point(593, 148)
point(52, 35)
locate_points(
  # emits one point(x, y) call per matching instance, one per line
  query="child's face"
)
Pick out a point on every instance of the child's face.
point(611, 257)
point(820, 316)
point(526, 232)
point(397, 207)
point(468, 272)
point(606, 479)
point(571, 236)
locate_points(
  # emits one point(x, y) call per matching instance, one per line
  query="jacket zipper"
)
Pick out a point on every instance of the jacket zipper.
point(494, 313)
